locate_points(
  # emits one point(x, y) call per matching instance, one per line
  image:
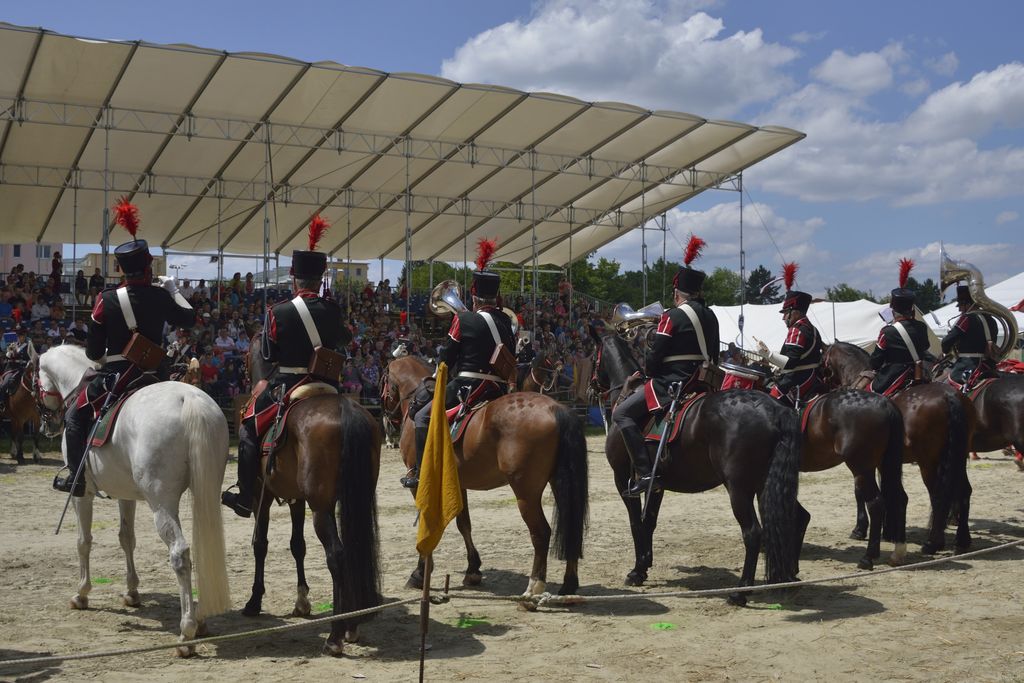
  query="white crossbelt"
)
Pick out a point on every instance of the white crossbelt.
point(698, 328)
point(898, 326)
point(480, 375)
point(292, 370)
point(798, 368)
point(307, 321)
point(114, 357)
point(971, 355)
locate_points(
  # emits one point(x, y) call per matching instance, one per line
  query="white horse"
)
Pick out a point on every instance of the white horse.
point(168, 437)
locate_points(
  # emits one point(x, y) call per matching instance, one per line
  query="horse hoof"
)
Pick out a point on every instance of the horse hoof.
point(636, 578)
point(352, 635)
point(334, 649)
point(569, 587)
point(79, 602)
point(131, 599)
point(470, 579)
point(930, 548)
point(961, 549)
point(202, 630)
point(184, 652)
point(301, 609)
point(252, 609)
point(737, 600)
point(865, 563)
point(528, 606)
point(858, 534)
point(415, 582)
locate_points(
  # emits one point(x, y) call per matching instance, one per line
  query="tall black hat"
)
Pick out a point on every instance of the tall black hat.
point(132, 257)
point(795, 300)
point(485, 283)
point(310, 265)
point(901, 299)
point(688, 279)
point(963, 295)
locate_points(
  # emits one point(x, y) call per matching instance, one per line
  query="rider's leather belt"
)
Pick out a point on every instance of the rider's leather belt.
point(971, 355)
point(292, 370)
point(481, 375)
point(798, 368)
point(684, 356)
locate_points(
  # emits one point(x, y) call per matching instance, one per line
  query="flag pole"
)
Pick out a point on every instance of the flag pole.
point(428, 566)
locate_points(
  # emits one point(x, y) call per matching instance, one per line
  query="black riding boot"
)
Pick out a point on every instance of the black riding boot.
point(642, 465)
point(248, 464)
point(412, 479)
point(77, 422)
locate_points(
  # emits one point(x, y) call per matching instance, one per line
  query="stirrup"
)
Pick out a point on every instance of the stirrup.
point(638, 487)
point(411, 479)
point(230, 499)
point(63, 484)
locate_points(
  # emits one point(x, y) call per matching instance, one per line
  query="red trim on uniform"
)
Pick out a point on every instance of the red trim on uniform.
point(97, 309)
point(665, 325)
point(963, 323)
point(307, 294)
point(455, 332)
point(795, 336)
point(271, 325)
point(651, 395)
point(775, 393)
point(881, 338)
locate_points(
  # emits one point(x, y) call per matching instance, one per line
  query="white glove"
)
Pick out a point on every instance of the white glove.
point(168, 283)
point(763, 350)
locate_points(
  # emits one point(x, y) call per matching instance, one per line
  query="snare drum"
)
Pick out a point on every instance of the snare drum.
point(742, 377)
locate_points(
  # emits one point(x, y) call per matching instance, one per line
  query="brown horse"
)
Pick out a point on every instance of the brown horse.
point(741, 439)
point(1000, 408)
point(394, 402)
point(330, 459)
point(938, 424)
point(542, 376)
point(20, 410)
point(526, 441)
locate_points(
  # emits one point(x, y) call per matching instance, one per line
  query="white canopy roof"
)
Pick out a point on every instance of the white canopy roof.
point(1009, 293)
point(202, 138)
point(856, 322)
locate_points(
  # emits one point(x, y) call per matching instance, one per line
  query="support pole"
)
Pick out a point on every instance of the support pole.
point(220, 246)
point(643, 231)
point(105, 235)
point(465, 244)
point(266, 219)
point(533, 230)
point(348, 248)
point(408, 238)
point(74, 249)
point(664, 253)
point(428, 568)
point(743, 265)
point(569, 268)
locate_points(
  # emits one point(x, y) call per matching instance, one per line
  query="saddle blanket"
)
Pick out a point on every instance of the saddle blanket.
point(656, 429)
point(275, 428)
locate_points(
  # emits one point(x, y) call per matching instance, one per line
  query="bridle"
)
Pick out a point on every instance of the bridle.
point(545, 366)
point(40, 395)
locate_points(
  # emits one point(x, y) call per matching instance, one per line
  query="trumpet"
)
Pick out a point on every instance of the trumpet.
point(628, 322)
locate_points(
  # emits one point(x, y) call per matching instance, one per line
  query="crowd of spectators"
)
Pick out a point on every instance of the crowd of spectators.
point(230, 317)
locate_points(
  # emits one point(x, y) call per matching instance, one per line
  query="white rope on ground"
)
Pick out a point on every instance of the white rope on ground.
point(547, 599)
point(51, 659)
point(544, 599)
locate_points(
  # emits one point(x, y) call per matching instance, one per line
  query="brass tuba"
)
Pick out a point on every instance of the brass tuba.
point(628, 322)
point(446, 299)
point(951, 272)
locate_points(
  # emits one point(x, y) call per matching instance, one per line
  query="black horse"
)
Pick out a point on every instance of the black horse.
point(743, 439)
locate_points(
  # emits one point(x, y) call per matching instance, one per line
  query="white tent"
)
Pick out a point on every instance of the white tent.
point(856, 322)
point(1008, 293)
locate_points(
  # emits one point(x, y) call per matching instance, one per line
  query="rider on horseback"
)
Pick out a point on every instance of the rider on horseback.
point(800, 357)
point(970, 338)
point(137, 306)
point(16, 359)
point(902, 344)
point(472, 341)
point(286, 340)
point(686, 337)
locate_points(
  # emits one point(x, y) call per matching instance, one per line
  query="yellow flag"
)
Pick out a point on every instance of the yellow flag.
point(439, 494)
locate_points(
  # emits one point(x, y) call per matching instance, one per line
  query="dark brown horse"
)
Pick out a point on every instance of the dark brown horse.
point(1000, 408)
point(542, 376)
point(938, 424)
point(526, 441)
point(394, 402)
point(22, 415)
point(744, 440)
point(329, 460)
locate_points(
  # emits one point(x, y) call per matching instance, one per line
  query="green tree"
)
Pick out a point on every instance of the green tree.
point(927, 294)
point(758, 278)
point(844, 292)
point(722, 288)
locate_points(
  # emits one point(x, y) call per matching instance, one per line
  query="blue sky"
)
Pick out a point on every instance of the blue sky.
point(914, 111)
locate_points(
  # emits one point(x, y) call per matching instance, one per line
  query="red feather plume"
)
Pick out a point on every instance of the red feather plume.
point(789, 274)
point(126, 215)
point(317, 227)
point(906, 265)
point(484, 251)
point(693, 249)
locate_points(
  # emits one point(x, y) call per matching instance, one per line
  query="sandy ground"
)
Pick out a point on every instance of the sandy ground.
point(960, 621)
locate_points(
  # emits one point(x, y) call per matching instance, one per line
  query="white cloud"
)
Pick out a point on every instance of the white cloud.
point(1007, 217)
point(864, 73)
point(990, 99)
point(804, 37)
point(880, 269)
point(945, 65)
point(918, 86)
point(641, 51)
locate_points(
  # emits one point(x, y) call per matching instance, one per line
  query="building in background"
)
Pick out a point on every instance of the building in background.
point(34, 256)
point(90, 262)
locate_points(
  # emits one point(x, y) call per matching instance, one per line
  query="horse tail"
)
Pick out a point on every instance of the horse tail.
point(570, 486)
point(952, 470)
point(207, 433)
point(894, 498)
point(355, 495)
point(778, 500)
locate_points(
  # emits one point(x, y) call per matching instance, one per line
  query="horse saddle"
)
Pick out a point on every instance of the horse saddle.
point(656, 428)
point(107, 420)
point(971, 390)
point(274, 436)
point(459, 417)
point(805, 414)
